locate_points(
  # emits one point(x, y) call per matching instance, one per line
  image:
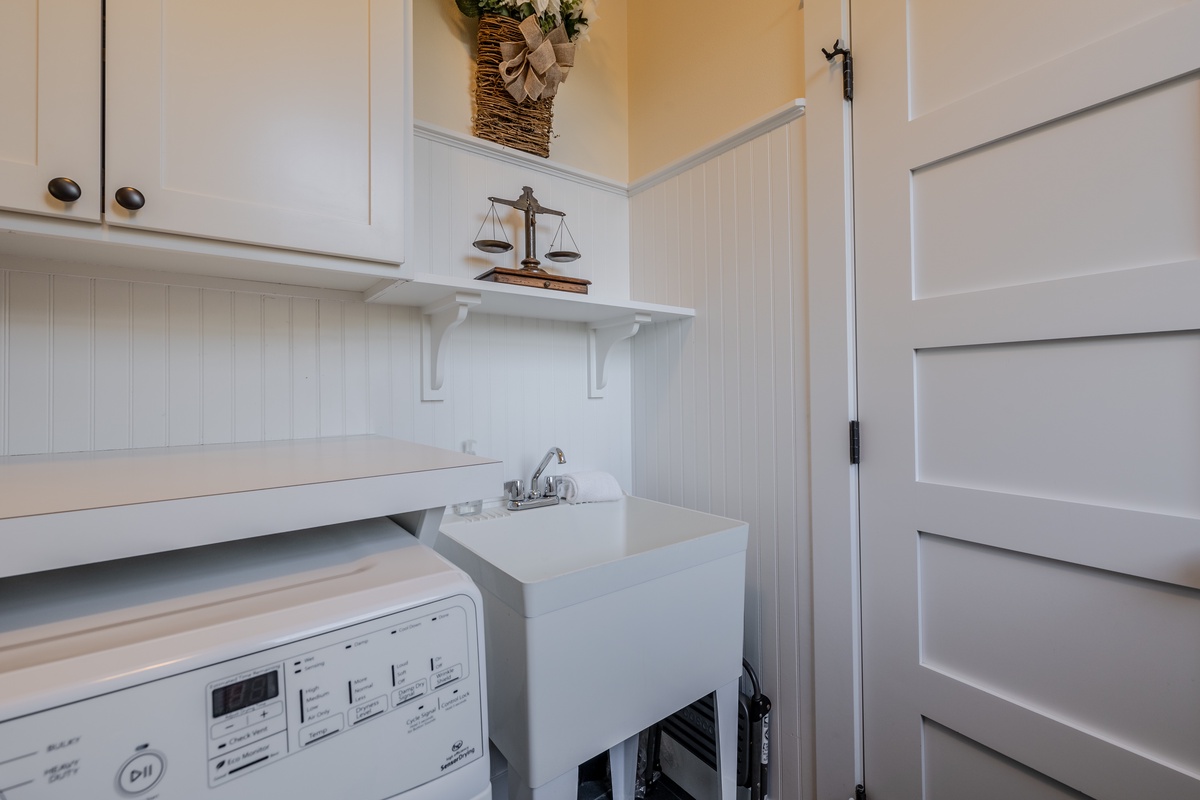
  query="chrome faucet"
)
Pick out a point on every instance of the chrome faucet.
point(537, 473)
point(534, 497)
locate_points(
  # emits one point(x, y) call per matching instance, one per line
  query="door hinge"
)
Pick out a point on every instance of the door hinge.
point(855, 442)
point(860, 792)
point(847, 67)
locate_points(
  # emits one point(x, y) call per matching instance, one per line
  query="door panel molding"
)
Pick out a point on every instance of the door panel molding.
point(1149, 299)
point(1087, 763)
point(1154, 52)
point(1130, 542)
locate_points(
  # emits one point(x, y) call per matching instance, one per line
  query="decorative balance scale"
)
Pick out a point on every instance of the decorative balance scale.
point(531, 272)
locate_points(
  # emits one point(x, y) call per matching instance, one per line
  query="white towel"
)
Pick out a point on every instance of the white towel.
point(590, 487)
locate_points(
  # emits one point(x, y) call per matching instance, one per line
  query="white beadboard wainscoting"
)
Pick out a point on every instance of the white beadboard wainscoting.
point(95, 361)
point(94, 364)
point(720, 402)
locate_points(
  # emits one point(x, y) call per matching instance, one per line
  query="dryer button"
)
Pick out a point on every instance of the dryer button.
point(228, 726)
point(141, 773)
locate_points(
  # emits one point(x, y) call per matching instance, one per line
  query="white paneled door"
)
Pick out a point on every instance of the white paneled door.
point(1027, 201)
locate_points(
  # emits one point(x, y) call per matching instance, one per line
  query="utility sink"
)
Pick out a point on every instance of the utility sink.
point(600, 620)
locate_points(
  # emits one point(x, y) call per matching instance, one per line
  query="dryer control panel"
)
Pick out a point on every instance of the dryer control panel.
point(369, 710)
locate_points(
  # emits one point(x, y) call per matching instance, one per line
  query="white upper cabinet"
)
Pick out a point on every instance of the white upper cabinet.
point(50, 101)
point(282, 123)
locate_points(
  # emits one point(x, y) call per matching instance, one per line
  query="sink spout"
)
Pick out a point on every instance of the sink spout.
point(537, 473)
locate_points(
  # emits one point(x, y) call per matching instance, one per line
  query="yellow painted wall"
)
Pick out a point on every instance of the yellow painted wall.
point(700, 69)
point(591, 111)
point(658, 80)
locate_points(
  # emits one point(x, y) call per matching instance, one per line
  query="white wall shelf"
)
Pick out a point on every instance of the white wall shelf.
point(519, 301)
point(445, 302)
point(68, 509)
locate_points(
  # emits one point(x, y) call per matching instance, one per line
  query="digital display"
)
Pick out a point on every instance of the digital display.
point(242, 694)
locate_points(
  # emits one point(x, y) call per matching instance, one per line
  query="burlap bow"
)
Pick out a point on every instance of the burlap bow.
point(534, 68)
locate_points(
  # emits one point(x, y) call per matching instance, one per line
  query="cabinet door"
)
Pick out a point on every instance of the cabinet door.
point(50, 101)
point(274, 122)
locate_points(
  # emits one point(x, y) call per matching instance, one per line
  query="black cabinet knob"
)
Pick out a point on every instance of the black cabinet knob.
point(64, 189)
point(130, 198)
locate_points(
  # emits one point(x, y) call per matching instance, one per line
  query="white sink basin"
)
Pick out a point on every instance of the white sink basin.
point(600, 620)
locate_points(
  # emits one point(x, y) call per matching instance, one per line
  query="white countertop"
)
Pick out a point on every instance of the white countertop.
point(74, 508)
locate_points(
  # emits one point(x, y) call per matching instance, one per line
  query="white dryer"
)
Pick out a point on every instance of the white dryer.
point(338, 662)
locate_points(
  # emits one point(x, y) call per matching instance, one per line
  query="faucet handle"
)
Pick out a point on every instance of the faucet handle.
point(514, 489)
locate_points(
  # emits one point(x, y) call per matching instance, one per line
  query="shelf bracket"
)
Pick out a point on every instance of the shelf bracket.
point(424, 524)
point(601, 338)
point(437, 321)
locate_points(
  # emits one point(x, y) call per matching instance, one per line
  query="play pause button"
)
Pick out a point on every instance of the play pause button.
point(141, 773)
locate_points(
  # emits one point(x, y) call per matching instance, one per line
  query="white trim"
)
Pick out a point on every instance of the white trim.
point(38, 236)
point(485, 149)
point(496, 152)
point(114, 272)
point(835, 760)
point(776, 119)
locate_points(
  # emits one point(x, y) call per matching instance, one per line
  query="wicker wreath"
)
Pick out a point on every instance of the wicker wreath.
point(499, 118)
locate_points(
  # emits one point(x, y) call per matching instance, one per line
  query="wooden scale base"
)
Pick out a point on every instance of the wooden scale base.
point(537, 278)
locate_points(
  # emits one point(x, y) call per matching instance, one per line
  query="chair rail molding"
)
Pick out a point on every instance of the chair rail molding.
point(507, 155)
point(749, 132)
